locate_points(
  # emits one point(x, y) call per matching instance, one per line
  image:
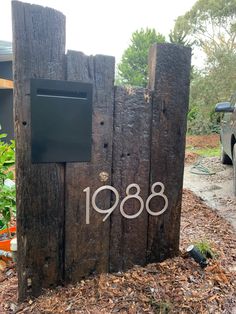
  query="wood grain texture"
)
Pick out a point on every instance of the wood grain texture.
point(169, 77)
point(39, 48)
point(131, 162)
point(87, 246)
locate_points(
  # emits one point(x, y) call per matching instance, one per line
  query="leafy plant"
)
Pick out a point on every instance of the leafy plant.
point(7, 193)
point(133, 68)
point(7, 159)
point(205, 248)
point(7, 204)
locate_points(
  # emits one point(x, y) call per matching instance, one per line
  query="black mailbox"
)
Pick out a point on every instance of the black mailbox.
point(61, 121)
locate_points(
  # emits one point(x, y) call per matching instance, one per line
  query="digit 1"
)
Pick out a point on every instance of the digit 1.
point(87, 191)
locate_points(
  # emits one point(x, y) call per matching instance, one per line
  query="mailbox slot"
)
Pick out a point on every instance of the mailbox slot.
point(61, 94)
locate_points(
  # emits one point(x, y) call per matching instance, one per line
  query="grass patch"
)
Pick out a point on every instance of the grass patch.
point(205, 152)
point(206, 249)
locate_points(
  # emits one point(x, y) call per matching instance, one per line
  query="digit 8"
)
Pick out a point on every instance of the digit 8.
point(129, 196)
point(161, 194)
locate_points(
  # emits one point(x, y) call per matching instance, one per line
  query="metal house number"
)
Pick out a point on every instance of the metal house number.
point(129, 195)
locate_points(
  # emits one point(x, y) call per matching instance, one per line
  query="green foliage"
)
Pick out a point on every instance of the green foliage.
point(221, 73)
point(211, 26)
point(202, 122)
point(133, 68)
point(7, 194)
point(205, 248)
point(215, 84)
point(209, 152)
point(7, 205)
point(205, 152)
point(180, 36)
point(7, 158)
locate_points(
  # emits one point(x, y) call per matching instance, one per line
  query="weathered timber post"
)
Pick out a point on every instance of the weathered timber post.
point(169, 78)
point(130, 164)
point(87, 245)
point(39, 48)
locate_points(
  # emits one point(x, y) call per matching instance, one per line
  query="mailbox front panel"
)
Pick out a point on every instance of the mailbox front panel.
point(61, 121)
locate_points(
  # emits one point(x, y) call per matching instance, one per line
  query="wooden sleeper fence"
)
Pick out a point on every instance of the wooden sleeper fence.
point(138, 137)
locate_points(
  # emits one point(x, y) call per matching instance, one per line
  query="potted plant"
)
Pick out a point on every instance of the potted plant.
point(7, 193)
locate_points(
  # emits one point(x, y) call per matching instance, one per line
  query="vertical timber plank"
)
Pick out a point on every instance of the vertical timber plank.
point(39, 48)
point(169, 77)
point(131, 163)
point(87, 246)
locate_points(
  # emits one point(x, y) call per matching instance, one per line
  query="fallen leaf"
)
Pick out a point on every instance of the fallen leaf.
point(3, 265)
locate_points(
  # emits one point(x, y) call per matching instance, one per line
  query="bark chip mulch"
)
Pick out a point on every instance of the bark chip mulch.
point(176, 285)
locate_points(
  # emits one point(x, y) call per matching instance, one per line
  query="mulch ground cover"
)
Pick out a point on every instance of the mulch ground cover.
point(177, 285)
point(203, 141)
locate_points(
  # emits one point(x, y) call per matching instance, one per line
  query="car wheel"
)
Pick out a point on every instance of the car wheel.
point(234, 167)
point(224, 158)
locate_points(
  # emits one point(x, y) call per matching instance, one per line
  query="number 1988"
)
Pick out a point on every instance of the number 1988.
point(129, 195)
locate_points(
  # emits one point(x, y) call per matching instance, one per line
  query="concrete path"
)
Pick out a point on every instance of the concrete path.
point(215, 189)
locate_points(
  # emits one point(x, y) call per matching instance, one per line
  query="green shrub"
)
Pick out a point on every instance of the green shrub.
point(7, 193)
point(200, 123)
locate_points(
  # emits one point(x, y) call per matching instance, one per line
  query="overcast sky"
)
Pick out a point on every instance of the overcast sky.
point(105, 26)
